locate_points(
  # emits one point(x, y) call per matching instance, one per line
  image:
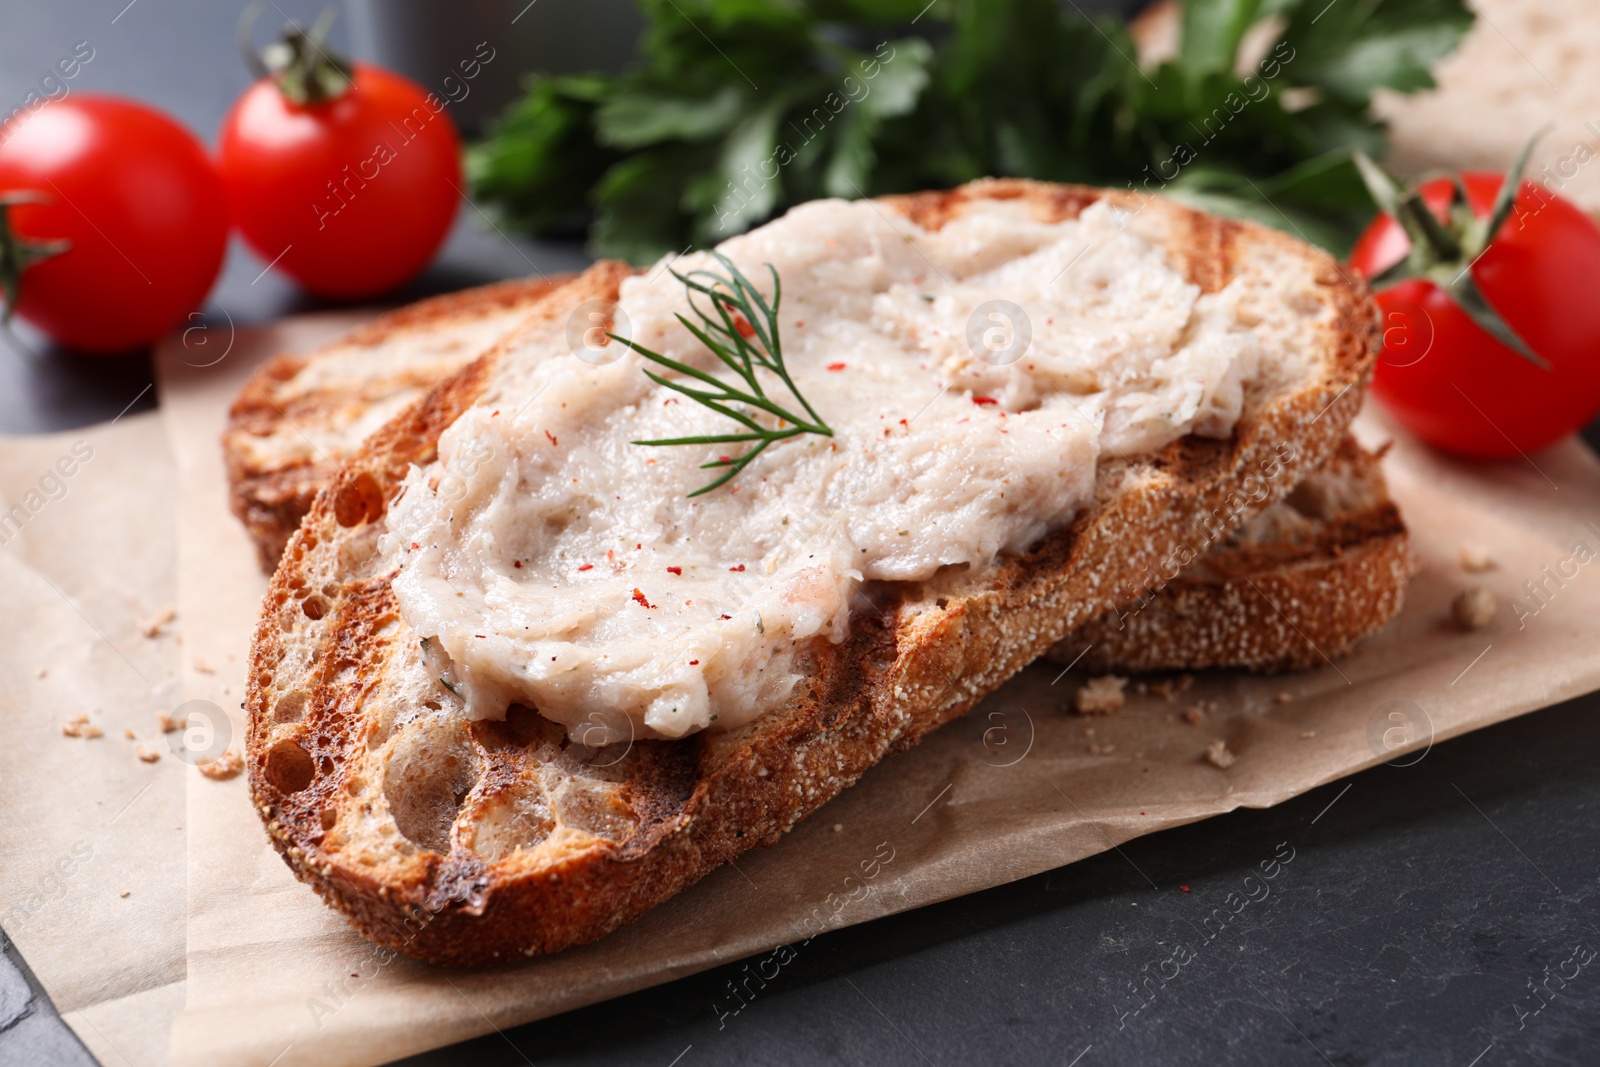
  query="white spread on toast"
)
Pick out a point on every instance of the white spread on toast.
point(546, 560)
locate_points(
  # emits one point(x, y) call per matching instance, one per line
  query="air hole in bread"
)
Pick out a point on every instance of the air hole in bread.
point(291, 707)
point(315, 606)
point(358, 500)
point(593, 807)
point(329, 817)
point(518, 818)
point(330, 589)
point(289, 768)
point(358, 553)
point(430, 771)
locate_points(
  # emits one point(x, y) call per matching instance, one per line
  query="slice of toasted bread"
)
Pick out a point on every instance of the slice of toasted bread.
point(300, 416)
point(1295, 587)
point(470, 843)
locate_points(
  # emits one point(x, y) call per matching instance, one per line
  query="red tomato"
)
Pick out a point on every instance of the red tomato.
point(1452, 384)
point(351, 196)
point(136, 198)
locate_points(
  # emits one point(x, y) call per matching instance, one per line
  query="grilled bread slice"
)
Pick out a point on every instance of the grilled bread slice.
point(300, 416)
point(1295, 587)
point(471, 843)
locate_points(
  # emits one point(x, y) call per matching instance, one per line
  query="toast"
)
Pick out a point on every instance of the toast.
point(300, 416)
point(1292, 589)
point(470, 843)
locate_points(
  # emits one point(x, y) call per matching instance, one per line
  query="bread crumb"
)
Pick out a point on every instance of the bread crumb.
point(1194, 715)
point(838, 827)
point(1169, 689)
point(80, 726)
point(1218, 756)
point(1101, 696)
point(1475, 558)
point(152, 626)
point(146, 754)
point(1282, 697)
point(1102, 750)
point(42, 672)
point(1473, 609)
point(225, 766)
point(168, 724)
point(201, 668)
point(1308, 735)
point(128, 733)
point(122, 893)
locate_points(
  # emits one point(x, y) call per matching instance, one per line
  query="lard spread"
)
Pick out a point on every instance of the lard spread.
point(972, 378)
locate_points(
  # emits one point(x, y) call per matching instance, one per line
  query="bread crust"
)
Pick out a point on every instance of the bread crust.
point(339, 758)
point(1286, 601)
point(271, 495)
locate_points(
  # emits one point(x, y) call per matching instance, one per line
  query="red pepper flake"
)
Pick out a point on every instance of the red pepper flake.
point(721, 617)
point(587, 567)
point(724, 459)
point(517, 563)
point(496, 412)
point(674, 570)
point(836, 366)
point(1184, 888)
point(694, 663)
point(740, 567)
point(553, 442)
point(415, 545)
point(800, 324)
point(638, 547)
point(480, 635)
point(982, 401)
point(640, 598)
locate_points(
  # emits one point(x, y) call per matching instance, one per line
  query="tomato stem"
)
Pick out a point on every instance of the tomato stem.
point(18, 253)
point(306, 70)
point(1444, 251)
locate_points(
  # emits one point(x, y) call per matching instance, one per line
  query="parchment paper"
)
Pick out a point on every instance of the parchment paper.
point(92, 842)
point(1017, 787)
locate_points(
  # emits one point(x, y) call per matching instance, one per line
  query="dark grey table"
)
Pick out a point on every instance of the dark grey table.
point(1424, 905)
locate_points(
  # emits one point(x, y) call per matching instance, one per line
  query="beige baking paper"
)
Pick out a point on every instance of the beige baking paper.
point(1017, 787)
point(92, 837)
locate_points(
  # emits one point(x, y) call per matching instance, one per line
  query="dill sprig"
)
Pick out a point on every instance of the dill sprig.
point(743, 334)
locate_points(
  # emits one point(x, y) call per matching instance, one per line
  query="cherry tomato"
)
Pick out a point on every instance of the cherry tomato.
point(1451, 383)
point(139, 207)
point(350, 196)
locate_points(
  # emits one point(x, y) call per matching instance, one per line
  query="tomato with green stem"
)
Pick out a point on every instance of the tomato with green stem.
point(1491, 330)
point(113, 222)
point(344, 176)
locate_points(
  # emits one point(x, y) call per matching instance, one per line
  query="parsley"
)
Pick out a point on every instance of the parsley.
point(736, 110)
